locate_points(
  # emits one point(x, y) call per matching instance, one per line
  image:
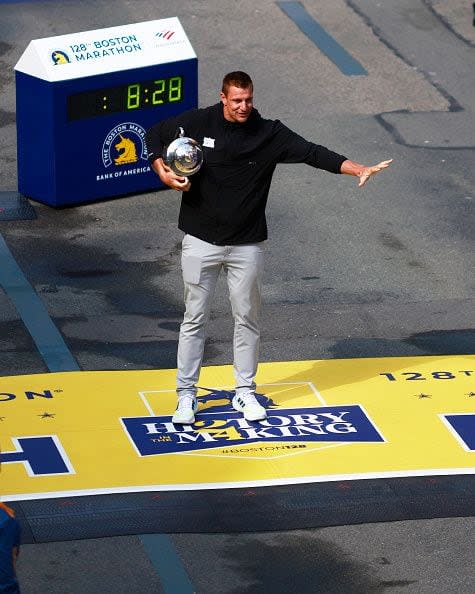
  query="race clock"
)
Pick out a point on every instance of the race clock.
point(85, 101)
point(129, 97)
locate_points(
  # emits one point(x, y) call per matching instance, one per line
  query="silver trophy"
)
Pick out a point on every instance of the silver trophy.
point(184, 155)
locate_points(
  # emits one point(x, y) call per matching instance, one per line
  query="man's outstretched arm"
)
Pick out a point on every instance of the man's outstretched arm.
point(363, 171)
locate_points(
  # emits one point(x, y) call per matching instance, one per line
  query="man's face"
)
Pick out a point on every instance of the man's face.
point(237, 104)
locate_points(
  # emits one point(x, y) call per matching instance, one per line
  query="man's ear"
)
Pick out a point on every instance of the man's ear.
point(222, 96)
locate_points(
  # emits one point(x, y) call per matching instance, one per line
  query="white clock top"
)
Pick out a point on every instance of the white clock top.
point(89, 53)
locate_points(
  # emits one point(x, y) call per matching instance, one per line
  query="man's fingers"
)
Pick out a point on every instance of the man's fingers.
point(182, 184)
point(369, 171)
point(363, 179)
point(379, 166)
point(383, 164)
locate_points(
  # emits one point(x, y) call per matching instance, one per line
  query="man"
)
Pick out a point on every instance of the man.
point(9, 549)
point(223, 217)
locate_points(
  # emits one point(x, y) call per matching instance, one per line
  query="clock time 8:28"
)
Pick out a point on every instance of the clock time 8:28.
point(125, 98)
point(166, 90)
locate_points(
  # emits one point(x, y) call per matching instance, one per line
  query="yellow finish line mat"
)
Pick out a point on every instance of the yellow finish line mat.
point(334, 422)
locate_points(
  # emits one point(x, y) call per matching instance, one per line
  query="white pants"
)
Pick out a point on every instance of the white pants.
point(201, 264)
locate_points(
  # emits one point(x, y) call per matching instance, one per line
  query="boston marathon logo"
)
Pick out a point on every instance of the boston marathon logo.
point(221, 426)
point(60, 57)
point(124, 145)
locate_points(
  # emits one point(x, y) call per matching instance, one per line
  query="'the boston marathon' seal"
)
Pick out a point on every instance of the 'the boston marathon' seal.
point(124, 144)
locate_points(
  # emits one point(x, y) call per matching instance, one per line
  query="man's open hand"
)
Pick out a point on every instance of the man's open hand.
point(368, 172)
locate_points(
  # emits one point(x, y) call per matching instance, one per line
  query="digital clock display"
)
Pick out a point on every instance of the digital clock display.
point(125, 98)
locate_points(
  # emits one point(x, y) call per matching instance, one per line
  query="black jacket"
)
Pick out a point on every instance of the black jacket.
point(227, 200)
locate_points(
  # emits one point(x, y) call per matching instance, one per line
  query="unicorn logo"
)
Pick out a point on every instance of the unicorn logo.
point(220, 400)
point(127, 151)
point(60, 57)
point(124, 144)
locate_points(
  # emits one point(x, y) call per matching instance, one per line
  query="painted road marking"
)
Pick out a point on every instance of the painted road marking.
point(34, 315)
point(167, 563)
point(462, 427)
point(366, 421)
point(19, 1)
point(323, 40)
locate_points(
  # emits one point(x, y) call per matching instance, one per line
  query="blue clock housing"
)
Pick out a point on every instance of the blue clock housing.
point(81, 131)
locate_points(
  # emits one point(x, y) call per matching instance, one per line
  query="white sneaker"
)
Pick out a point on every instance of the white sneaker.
point(246, 403)
point(186, 408)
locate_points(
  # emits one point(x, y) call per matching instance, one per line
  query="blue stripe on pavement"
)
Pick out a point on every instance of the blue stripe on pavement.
point(167, 563)
point(19, 1)
point(23, 1)
point(34, 315)
point(331, 48)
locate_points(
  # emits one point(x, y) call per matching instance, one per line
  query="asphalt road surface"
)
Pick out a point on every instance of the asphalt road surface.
point(387, 270)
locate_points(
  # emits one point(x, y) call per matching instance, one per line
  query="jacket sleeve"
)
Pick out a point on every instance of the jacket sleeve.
point(160, 135)
point(295, 149)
